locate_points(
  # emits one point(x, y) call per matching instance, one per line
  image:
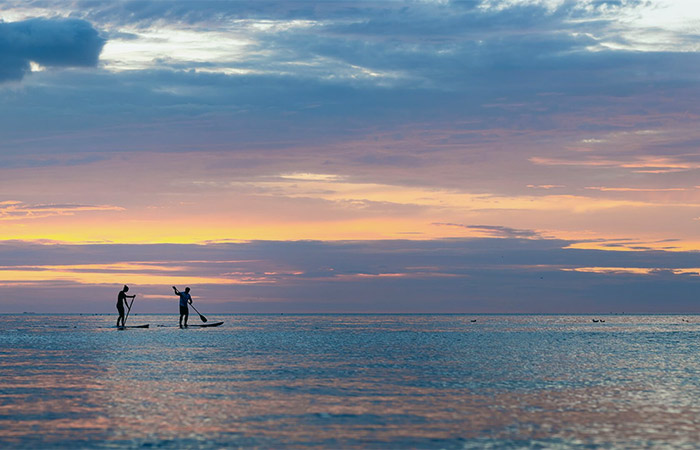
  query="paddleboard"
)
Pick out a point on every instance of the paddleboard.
point(134, 326)
point(213, 324)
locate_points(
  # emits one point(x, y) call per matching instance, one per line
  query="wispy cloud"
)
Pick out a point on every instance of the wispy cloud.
point(641, 164)
point(637, 270)
point(623, 189)
point(16, 210)
point(311, 177)
point(545, 186)
point(494, 230)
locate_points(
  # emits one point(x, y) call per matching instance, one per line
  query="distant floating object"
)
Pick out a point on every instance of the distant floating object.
point(595, 320)
point(473, 320)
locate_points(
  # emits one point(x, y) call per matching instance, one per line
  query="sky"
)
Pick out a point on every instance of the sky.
point(476, 156)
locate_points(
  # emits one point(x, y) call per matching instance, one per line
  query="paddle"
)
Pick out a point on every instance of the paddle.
point(201, 317)
point(129, 310)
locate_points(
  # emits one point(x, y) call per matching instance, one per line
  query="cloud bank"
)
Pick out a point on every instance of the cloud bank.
point(449, 275)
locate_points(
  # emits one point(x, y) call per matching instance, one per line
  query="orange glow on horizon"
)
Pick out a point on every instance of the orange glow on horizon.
point(156, 233)
point(204, 232)
point(635, 270)
point(308, 205)
point(99, 274)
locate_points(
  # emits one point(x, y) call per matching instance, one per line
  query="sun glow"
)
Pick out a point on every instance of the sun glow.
point(303, 205)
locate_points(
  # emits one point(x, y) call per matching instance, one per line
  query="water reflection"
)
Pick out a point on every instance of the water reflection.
point(351, 381)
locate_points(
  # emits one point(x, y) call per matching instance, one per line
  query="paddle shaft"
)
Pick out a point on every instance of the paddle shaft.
point(129, 310)
point(201, 317)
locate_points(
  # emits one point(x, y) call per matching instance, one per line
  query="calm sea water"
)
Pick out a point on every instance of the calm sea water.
point(351, 381)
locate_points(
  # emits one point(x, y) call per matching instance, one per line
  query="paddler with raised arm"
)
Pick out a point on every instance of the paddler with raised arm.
point(185, 299)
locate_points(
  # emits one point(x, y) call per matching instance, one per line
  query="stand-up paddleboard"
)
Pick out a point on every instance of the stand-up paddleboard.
point(213, 324)
point(133, 326)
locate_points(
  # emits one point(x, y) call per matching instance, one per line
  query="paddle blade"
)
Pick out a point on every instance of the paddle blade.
point(202, 318)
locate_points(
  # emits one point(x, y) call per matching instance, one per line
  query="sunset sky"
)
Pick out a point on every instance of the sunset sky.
point(351, 156)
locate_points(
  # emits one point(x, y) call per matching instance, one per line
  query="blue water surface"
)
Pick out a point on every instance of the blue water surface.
point(351, 381)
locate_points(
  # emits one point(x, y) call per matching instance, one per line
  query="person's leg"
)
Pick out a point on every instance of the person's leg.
point(187, 314)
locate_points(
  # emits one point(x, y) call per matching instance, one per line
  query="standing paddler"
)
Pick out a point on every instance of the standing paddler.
point(121, 299)
point(185, 299)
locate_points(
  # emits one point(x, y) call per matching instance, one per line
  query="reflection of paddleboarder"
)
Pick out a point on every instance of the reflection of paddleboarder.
point(121, 299)
point(185, 298)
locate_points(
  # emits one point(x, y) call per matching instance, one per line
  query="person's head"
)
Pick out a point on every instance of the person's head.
point(187, 290)
point(126, 288)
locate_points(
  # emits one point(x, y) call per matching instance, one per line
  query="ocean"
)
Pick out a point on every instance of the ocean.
point(351, 381)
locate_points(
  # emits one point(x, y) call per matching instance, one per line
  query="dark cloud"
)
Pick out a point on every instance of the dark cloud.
point(48, 42)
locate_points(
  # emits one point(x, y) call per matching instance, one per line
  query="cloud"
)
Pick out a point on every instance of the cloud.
point(494, 230)
point(626, 189)
point(638, 164)
point(545, 186)
point(47, 42)
point(16, 210)
point(305, 72)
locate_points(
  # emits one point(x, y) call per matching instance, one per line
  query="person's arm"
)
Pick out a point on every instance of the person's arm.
point(190, 299)
point(176, 291)
point(132, 296)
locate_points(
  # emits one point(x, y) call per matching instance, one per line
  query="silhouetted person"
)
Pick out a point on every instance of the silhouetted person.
point(121, 299)
point(185, 299)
